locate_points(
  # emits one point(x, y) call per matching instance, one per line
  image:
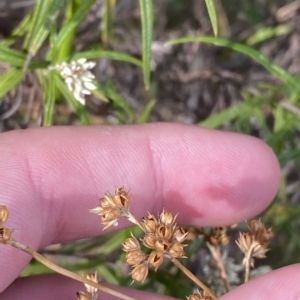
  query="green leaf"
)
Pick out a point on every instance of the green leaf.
point(11, 56)
point(108, 54)
point(266, 33)
point(275, 70)
point(107, 20)
point(147, 29)
point(225, 115)
point(45, 15)
point(76, 106)
point(49, 90)
point(212, 15)
point(9, 80)
point(147, 111)
point(72, 24)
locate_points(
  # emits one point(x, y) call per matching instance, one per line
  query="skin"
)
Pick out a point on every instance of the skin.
point(50, 177)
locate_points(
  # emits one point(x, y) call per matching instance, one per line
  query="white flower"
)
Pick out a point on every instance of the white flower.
point(77, 77)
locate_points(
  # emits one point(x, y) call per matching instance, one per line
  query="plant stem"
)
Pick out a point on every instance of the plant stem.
point(247, 260)
point(189, 274)
point(216, 254)
point(65, 272)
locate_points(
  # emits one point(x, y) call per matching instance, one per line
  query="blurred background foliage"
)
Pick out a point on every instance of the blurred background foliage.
point(230, 65)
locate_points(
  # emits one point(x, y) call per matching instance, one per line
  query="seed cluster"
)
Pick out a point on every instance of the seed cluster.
point(92, 293)
point(5, 233)
point(254, 243)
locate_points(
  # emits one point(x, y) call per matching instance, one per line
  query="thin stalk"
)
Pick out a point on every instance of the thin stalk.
point(189, 274)
point(216, 254)
point(247, 261)
point(65, 272)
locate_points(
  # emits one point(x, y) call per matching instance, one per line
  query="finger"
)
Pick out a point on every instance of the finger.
point(280, 284)
point(50, 177)
point(49, 287)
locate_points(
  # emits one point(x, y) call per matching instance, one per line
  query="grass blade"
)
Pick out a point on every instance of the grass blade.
point(108, 54)
point(212, 15)
point(77, 107)
point(72, 24)
point(275, 70)
point(147, 111)
point(147, 29)
point(9, 80)
point(107, 20)
point(49, 90)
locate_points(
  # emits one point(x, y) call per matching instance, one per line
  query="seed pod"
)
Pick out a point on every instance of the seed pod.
point(164, 231)
point(167, 218)
point(131, 244)
point(156, 259)
point(140, 272)
point(5, 235)
point(3, 213)
point(135, 257)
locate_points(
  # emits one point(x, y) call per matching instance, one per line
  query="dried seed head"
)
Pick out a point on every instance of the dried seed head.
point(82, 296)
point(199, 296)
point(93, 277)
point(5, 235)
point(164, 231)
point(131, 244)
point(217, 236)
point(135, 257)
point(180, 235)
point(156, 259)
point(149, 224)
point(112, 207)
point(167, 218)
point(162, 245)
point(149, 240)
point(121, 198)
point(254, 243)
point(3, 213)
point(140, 272)
point(177, 250)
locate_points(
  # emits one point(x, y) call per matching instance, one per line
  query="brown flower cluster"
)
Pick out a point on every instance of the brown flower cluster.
point(5, 233)
point(163, 236)
point(112, 207)
point(217, 236)
point(254, 243)
point(199, 296)
point(92, 293)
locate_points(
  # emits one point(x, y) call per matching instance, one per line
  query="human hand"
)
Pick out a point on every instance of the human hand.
point(50, 177)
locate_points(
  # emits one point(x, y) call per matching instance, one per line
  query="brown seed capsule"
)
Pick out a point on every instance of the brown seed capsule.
point(149, 224)
point(5, 235)
point(140, 272)
point(135, 257)
point(149, 240)
point(3, 213)
point(162, 245)
point(177, 250)
point(167, 218)
point(131, 244)
point(180, 235)
point(93, 277)
point(121, 198)
point(164, 231)
point(82, 296)
point(156, 259)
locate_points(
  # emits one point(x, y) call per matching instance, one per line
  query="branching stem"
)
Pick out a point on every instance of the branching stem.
point(65, 272)
point(189, 274)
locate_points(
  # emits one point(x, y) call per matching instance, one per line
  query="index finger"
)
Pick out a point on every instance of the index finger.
point(52, 176)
